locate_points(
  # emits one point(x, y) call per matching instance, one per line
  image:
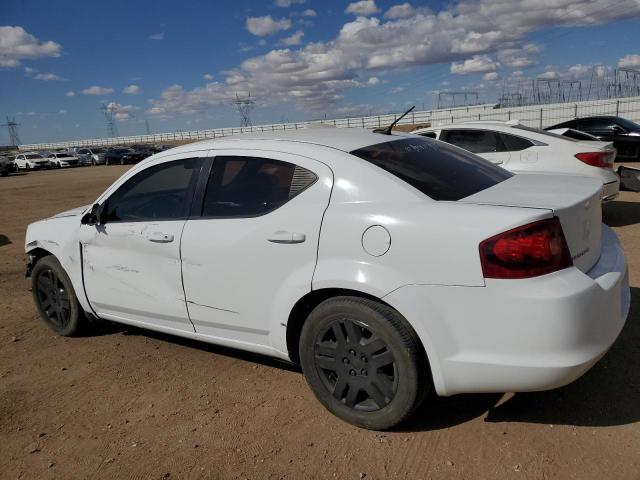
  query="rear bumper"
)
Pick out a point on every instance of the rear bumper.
point(611, 190)
point(520, 335)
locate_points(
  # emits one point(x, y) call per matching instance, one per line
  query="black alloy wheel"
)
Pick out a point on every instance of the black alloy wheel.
point(356, 365)
point(364, 362)
point(53, 298)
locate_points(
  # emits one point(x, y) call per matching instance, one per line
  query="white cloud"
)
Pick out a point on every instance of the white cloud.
point(373, 81)
point(294, 39)
point(16, 44)
point(266, 25)
point(208, 77)
point(47, 77)
point(70, 93)
point(522, 57)
point(517, 73)
point(363, 7)
point(121, 112)
point(491, 76)
point(288, 3)
point(98, 91)
point(316, 76)
point(132, 90)
point(157, 36)
point(309, 12)
point(262, 42)
point(629, 61)
point(28, 71)
point(404, 10)
point(549, 75)
point(395, 90)
point(62, 112)
point(475, 64)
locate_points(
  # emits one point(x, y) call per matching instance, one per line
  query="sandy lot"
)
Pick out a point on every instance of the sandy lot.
point(128, 403)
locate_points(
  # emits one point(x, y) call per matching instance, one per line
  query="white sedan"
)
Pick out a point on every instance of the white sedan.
point(62, 159)
point(521, 149)
point(386, 265)
point(30, 161)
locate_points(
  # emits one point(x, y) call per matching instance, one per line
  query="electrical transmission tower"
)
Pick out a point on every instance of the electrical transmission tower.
point(146, 126)
point(112, 128)
point(244, 106)
point(12, 126)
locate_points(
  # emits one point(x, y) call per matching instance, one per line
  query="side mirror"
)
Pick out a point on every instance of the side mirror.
point(92, 217)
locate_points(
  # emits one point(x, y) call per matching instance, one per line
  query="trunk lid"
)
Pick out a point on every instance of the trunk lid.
point(574, 200)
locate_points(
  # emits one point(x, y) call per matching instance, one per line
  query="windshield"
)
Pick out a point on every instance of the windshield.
point(627, 124)
point(97, 150)
point(63, 155)
point(439, 170)
point(33, 156)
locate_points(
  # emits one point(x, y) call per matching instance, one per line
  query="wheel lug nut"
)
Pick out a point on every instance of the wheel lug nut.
point(363, 372)
point(352, 373)
point(345, 360)
point(352, 352)
point(363, 359)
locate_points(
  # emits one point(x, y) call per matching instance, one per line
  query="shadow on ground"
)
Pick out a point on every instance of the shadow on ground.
point(607, 395)
point(621, 214)
point(4, 240)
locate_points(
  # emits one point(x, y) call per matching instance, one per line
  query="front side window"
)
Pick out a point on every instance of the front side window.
point(475, 141)
point(428, 134)
point(161, 192)
point(440, 171)
point(251, 186)
point(596, 125)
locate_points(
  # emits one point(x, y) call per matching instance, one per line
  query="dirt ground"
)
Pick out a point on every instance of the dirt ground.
point(129, 403)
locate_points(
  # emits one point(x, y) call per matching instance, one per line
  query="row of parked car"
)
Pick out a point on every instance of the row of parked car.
point(80, 156)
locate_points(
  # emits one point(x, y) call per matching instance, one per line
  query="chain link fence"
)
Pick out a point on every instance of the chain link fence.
point(537, 116)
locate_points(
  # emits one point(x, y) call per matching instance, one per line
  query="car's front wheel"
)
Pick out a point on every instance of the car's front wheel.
point(364, 362)
point(55, 298)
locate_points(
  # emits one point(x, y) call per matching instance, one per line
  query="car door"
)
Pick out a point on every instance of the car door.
point(131, 259)
point(252, 253)
point(485, 143)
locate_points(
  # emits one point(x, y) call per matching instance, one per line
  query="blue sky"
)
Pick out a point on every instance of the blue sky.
point(179, 64)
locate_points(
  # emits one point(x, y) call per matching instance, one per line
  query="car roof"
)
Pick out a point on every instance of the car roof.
point(345, 139)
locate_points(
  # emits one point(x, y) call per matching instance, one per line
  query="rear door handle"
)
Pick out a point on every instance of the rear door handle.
point(283, 236)
point(160, 237)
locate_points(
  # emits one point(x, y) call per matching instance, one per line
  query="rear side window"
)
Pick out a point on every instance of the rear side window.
point(161, 192)
point(251, 186)
point(475, 141)
point(438, 170)
point(513, 143)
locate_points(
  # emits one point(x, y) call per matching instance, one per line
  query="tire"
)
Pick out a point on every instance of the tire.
point(122, 161)
point(55, 298)
point(375, 382)
point(106, 162)
point(93, 162)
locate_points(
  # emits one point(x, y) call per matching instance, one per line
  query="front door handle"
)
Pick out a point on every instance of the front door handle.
point(160, 237)
point(283, 236)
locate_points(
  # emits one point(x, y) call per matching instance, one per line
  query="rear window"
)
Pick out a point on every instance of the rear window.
point(439, 170)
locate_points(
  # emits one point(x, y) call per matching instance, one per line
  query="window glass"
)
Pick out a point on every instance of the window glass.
point(438, 170)
point(595, 125)
point(475, 141)
point(250, 186)
point(428, 134)
point(161, 192)
point(513, 143)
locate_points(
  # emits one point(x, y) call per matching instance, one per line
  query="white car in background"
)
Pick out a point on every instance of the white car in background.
point(386, 265)
point(521, 149)
point(30, 161)
point(62, 159)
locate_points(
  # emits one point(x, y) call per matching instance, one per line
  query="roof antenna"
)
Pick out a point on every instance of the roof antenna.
point(387, 130)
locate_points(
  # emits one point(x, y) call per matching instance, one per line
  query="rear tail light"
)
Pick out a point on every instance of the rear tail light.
point(524, 252)
point(597, 159)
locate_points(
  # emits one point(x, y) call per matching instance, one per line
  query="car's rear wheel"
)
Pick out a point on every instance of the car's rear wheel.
point(55, 298)
point(364, 362)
